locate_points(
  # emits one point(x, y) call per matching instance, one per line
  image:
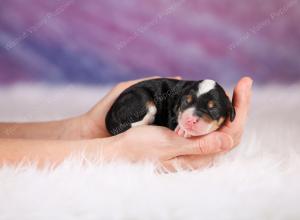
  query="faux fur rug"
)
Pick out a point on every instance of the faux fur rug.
point(260, 179)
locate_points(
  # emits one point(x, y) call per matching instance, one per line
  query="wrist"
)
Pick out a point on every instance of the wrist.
point(81, 127)
point(103, 150)
point(70, 129)
point(91, 128)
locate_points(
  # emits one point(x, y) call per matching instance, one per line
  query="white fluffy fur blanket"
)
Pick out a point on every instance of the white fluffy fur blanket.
point(258, 180)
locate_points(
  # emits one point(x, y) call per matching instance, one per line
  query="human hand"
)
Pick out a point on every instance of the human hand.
point(92, 124)
point(170, 150)
point(163, 146)
point(226, 138)
point(234, 130)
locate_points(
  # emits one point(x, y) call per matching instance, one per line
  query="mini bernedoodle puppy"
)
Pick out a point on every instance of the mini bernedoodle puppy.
point(190, 108)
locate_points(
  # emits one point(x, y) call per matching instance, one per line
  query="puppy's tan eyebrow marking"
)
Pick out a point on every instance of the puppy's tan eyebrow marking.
point(211, 104)
point(189, 98)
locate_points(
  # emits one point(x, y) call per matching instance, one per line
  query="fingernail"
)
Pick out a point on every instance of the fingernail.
point(219, 142)
point(226, 142)
point(249, 85)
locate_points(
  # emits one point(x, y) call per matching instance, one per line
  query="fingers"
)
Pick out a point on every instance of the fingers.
point(210, 144)
point(242, 96)
point(124, 85)
point(197, 152)
point(241, 102)
point(191, 162)
point(117, 90)
point(103, 106)
point(132, 82)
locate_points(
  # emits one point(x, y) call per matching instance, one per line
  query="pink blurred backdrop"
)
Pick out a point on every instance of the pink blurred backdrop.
point(106, 41)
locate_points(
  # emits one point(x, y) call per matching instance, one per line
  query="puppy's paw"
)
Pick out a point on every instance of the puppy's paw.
point(181, 132)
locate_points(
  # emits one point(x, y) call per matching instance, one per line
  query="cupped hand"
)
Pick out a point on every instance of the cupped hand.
point(93, 122)
point(162, 144)
point(241, 101)
point(171, 150)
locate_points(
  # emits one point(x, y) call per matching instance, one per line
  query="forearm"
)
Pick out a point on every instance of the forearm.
point(63, 129)
point(13, 151)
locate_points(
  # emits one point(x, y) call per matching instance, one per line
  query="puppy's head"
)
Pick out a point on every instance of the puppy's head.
point(204, 109)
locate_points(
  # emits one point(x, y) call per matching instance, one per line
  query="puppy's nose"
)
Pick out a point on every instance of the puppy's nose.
point(192, 120)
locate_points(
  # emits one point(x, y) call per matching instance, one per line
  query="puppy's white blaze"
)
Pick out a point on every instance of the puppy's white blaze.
point(205, 86)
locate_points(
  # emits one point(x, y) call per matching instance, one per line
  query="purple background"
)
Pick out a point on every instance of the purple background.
point(112, 40)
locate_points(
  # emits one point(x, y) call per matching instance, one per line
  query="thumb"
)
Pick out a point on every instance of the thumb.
point(213, 143)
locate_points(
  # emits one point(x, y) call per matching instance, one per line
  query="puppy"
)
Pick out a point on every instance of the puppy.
point(190, 108)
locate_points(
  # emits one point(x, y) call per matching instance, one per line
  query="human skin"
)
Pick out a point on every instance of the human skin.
point(52, 142)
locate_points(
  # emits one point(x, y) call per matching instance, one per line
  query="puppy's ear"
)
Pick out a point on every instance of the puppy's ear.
point(230, 110)
point(176, 107)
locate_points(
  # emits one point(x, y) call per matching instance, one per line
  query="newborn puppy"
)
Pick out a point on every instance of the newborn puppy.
point(191, 108)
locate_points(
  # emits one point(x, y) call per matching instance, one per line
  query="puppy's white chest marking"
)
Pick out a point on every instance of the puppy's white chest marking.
point(149, 117)
point(205, 86)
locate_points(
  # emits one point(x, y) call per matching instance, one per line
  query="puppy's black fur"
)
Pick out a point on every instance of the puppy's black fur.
point(170, 97)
